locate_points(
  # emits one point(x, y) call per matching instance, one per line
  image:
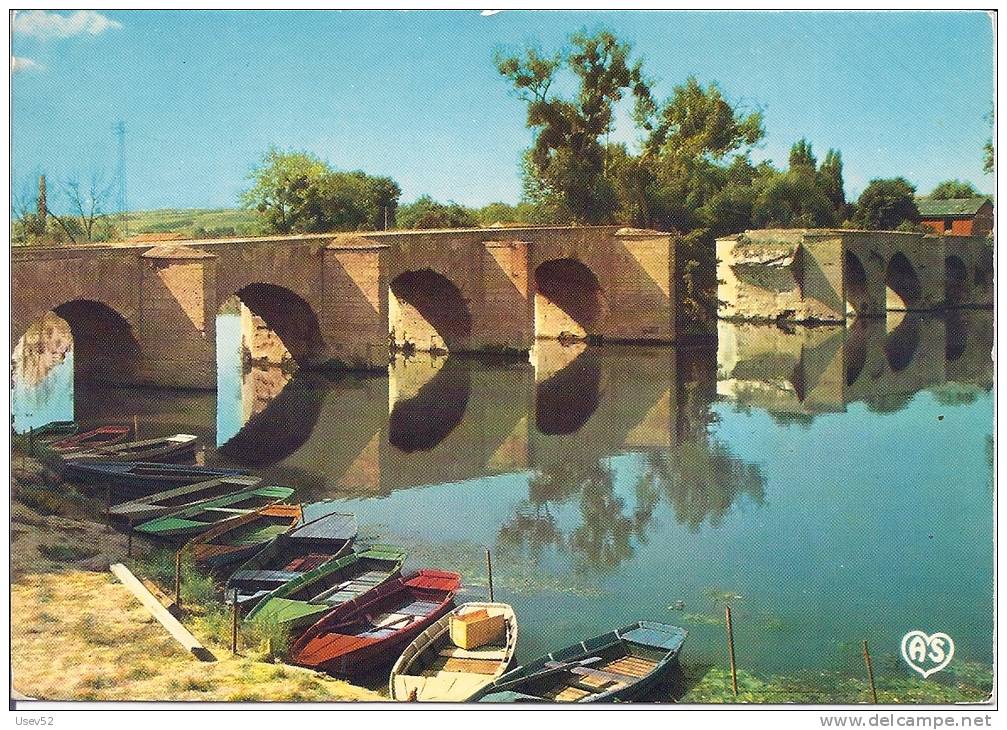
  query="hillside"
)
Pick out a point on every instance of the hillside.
point(197, 222)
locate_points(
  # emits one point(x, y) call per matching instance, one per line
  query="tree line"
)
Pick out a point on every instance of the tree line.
point(691, 170)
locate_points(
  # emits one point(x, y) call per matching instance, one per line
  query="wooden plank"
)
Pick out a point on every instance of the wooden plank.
point(169, 622)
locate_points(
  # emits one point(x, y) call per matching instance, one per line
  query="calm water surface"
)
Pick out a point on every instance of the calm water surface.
point(831, 485)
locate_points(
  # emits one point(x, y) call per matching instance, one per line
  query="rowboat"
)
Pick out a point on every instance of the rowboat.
point(201, 517)
point(245, 534)
point(173, 500)
point(435, 668)
point(307, 547)
point(140, 475)
point(300, 602)
point(101, 436)
point(159, 449)
point(618, 665)
point(50, 431)
point(368, 632)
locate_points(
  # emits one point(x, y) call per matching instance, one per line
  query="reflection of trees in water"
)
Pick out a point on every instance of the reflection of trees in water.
point(601, 541)
point(702, 480)
point(529, 533)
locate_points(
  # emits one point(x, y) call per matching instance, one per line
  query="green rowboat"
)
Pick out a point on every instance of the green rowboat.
point(299, 603)
point(198, 518)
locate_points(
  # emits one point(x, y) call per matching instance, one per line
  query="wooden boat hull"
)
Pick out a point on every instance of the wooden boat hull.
point(173, 500)
point(241, 536)
point(167, 448)
point(204, 517)
point(101, 436)
point(362, 635)
point(137, 476)
point(328, 587)
point(620, 665)
point(433, 669)
point(307, 547)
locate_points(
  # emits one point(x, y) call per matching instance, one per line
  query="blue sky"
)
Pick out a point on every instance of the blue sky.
point(414, 95)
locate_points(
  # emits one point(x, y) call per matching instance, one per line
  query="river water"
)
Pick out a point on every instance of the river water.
point(831, 485)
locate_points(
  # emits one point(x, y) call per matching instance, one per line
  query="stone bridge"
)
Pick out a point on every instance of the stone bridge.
point(146, 315)
point(832, 275)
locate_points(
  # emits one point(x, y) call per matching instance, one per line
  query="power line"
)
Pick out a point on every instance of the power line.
point(120, 131)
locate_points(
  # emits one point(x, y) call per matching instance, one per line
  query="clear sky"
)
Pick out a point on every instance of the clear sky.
point(415, 95)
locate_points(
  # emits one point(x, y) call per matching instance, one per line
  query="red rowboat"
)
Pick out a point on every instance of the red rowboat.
point(101, 436)
point(367, 632)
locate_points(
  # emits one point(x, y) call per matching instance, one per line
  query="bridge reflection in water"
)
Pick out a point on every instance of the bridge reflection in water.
point(613, 481)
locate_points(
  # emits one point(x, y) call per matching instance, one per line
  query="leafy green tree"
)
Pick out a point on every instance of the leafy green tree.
point(299, 193)
point(801, 156)
point(951, 189)
point(688, 138)
point(567, 160)
point(988, 156)
point(885, 204)
point(830, 180)
point(792, 199)
point(425, 212)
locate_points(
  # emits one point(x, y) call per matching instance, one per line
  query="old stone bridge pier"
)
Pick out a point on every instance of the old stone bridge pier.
point(143, 314)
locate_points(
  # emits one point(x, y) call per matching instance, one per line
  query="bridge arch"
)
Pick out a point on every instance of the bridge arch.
point(292, 320)
point(428, 312)
point(905, 290)
point(857, 296)
point(956, 281)
point(568, 300)
point(105, 347)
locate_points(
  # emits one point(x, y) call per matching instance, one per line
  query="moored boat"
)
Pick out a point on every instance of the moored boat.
point(618, 665)
point(179, 498)
point(204, 516)
point(159, 449)
point(368, 632)
point(243, 535)
point(300, 602)
point(140, 475)
point(289, 556)
point(457, 655)
point(101, 436)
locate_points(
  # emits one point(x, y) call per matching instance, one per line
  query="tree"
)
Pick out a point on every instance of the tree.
point(792, 199)
point(886, 204)
point(802, 156)
point(951, 189)
point(567, 158)
point(988, 152)
point(88, 219)
point(428, 213)
point(688, 138)
point(830, 180)
point(300, 193)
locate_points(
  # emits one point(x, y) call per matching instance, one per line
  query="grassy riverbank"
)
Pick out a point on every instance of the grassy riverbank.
point(78, 634)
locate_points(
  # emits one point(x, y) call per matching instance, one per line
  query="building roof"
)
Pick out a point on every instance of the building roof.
point(952, 208)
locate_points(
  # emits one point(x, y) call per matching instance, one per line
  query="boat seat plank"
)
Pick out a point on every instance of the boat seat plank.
point(492, 653)
point(264, 576)
point(602, 675)
point(420, 608)
point(462, 665)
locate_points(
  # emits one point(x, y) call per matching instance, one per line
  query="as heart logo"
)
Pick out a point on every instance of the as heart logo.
point(927, 654)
